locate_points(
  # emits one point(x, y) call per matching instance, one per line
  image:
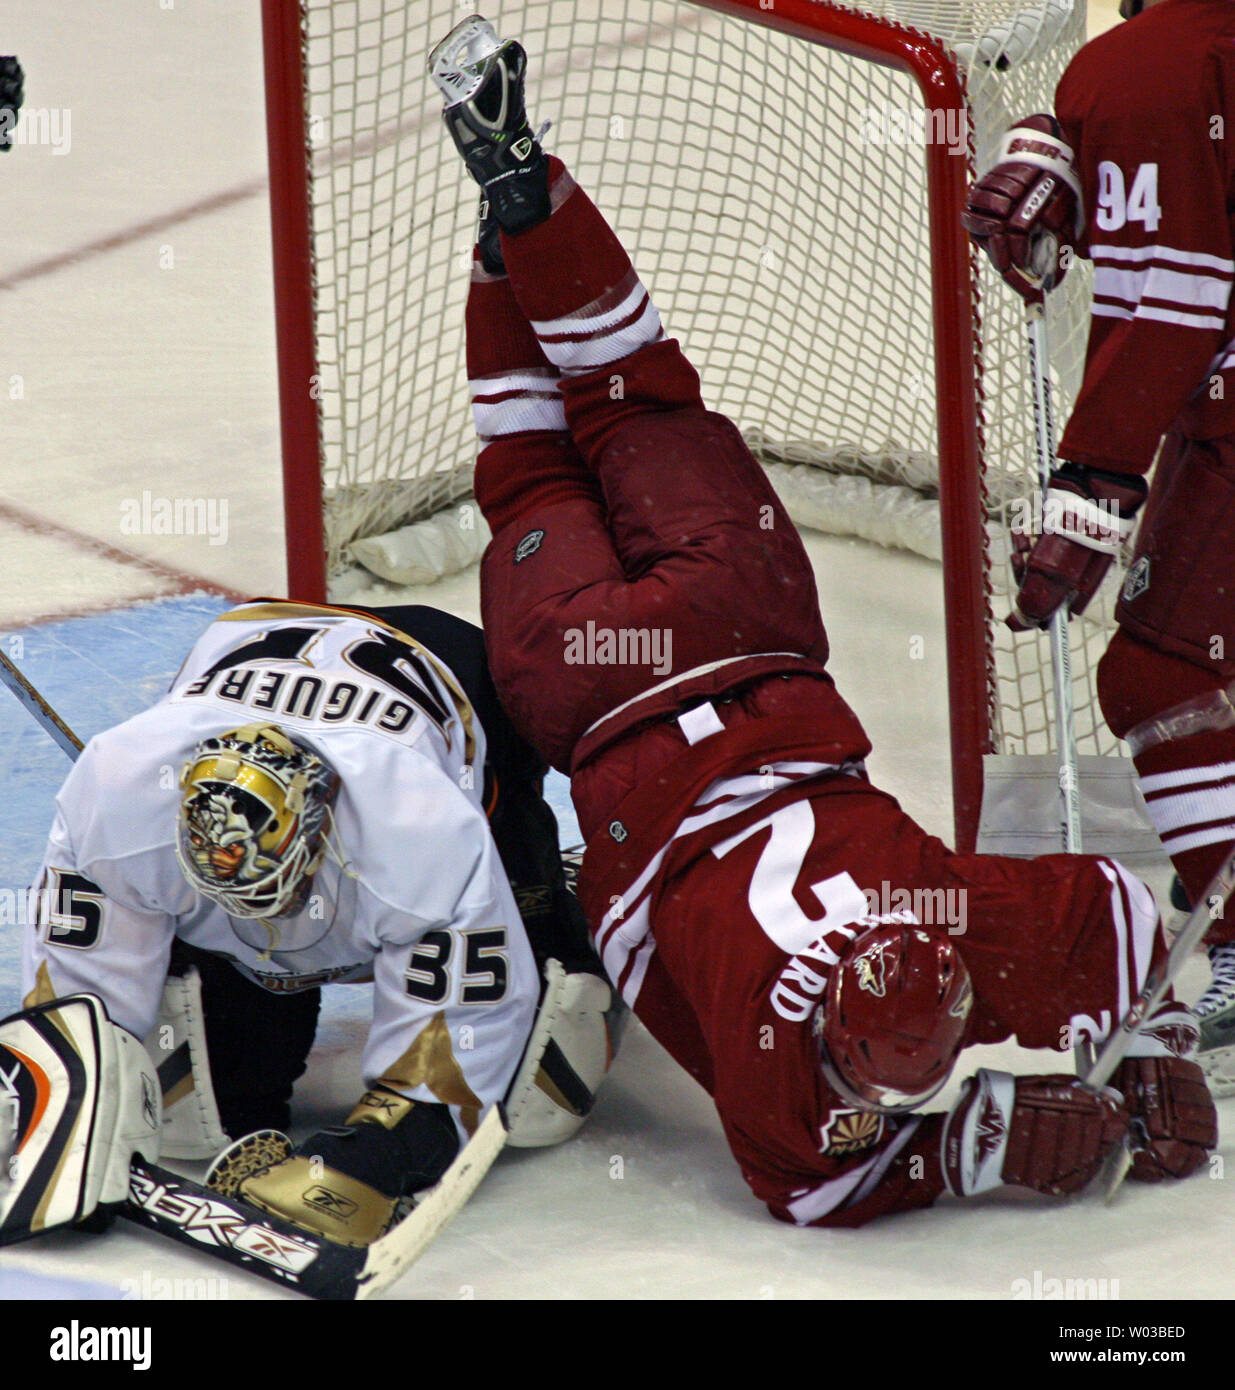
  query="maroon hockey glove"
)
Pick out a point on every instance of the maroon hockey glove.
point(1043, 1132)
point(1086, 518)
point(1170, 1099)
point(1025, 212)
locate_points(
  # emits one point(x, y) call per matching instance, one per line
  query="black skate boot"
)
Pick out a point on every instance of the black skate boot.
point(481, 79)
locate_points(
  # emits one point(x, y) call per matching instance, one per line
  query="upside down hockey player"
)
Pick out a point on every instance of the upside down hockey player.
point(306, 805)
point(732, 835)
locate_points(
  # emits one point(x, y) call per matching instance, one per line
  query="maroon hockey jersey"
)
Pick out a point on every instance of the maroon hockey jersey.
point(1149, 109)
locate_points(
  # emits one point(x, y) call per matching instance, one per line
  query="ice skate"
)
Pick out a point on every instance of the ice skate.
point(1216, 1014)
point(481, 79)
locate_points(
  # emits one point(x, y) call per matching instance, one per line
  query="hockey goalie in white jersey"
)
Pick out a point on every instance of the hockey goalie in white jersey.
point(308, 804)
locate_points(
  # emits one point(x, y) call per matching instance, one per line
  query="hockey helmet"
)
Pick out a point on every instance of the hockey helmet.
point(254, 814)
point(894, 1016)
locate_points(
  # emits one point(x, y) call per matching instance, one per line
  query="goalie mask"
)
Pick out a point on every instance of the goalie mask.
point(894, 1018)
point(253, 820)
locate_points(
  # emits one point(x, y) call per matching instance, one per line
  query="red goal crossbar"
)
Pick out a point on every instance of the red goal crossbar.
point(954, 308)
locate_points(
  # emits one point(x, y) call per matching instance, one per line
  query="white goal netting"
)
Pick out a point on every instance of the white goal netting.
point(772, 194)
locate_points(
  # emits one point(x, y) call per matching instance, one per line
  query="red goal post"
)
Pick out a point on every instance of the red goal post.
point(954, 312)
point(314, 69)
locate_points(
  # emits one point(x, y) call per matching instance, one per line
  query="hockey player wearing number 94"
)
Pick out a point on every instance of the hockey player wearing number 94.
point(1135, 171)
point(323, 796)
point(734, 842)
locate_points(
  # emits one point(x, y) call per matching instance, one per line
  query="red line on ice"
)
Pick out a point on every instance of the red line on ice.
point(176, 581)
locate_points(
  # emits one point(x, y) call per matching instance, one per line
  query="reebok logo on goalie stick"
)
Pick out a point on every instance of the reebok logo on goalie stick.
point(216, 1224)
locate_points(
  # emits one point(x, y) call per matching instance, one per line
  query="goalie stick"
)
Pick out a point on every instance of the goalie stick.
point(228, 1228)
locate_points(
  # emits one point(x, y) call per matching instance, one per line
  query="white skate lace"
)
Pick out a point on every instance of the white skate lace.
point(1221, 992)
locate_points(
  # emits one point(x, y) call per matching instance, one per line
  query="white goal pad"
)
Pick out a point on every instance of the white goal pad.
point(1021, 809)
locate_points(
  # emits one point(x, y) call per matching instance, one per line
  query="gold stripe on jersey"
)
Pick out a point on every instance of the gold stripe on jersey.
point(43, 992)
point(431, 1062)
point(283, 610)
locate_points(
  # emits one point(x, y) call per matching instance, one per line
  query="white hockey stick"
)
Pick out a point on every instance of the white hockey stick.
point(399, 1248)
point(1061, 654)
point(1213, 904)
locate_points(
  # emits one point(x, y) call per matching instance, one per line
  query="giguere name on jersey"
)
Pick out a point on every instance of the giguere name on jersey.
point(301, 695)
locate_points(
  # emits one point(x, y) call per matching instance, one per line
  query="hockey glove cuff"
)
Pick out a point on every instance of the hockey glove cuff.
point(1042, 1132)
point(1174, 1121)
point(1025, 212)
point(1087, 516)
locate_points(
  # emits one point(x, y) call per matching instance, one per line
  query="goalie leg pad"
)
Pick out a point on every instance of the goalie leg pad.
point(550, 1101)
point(78, 1098)
point(177, 1047)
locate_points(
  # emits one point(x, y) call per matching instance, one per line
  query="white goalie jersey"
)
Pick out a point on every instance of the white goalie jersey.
point(411, 894)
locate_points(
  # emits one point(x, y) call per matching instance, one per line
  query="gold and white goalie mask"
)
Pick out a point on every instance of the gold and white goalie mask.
point(254, 819)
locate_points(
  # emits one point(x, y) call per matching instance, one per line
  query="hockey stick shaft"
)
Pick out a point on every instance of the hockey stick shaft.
point(227, 1228)
point(1212, 906)
point(1061, 653)
point(43, 713)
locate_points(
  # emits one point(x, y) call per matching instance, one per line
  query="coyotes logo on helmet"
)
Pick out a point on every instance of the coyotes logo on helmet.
point(872, 971)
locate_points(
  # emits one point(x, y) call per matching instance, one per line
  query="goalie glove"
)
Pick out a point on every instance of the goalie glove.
point(1047, 1133)
point(1087, 516)
point(1025, 212)
point(345, 1182)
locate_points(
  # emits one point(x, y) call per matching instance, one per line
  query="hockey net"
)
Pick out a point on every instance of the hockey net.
point(773, 194)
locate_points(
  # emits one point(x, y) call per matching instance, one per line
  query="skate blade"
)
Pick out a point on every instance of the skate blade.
point(458, 64)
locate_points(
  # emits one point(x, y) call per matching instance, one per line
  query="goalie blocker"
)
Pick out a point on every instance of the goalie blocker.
point(78, 1100)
